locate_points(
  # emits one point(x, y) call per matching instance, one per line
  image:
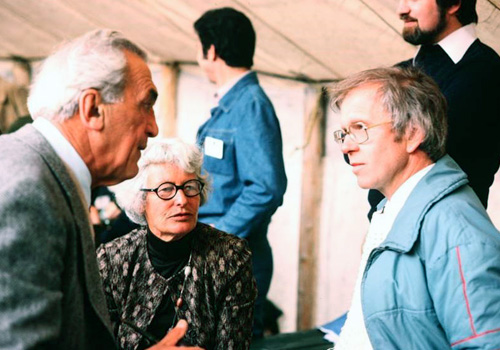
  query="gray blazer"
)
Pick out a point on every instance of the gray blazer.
point(51, 294)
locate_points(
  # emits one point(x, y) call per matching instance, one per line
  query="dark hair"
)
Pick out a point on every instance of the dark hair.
point(466, 13)
point(231, 33)
point(410, 96)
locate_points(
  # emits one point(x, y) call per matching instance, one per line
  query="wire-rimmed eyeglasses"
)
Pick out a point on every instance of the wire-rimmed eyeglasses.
point(168, 190)
point(358, 132)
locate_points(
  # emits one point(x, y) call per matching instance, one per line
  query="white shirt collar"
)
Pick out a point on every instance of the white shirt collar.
point(224, 89)
point(65, 150)
point(457, 43)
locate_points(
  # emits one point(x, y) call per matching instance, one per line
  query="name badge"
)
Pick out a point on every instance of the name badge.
point(213, 147)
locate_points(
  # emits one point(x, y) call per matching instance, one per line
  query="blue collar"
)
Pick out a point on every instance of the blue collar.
point(444, 178)
point(227, 102)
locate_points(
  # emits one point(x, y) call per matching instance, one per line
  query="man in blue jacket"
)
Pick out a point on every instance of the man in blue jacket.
point(241, 141)
point(430, 270)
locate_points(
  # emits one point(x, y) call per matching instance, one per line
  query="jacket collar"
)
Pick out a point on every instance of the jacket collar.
point(223, 90)
point(444, 178)
point(65, 150)
point(228, 100)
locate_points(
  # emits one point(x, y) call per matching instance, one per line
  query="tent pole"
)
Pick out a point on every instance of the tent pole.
point(167, 101)
point(312, 189)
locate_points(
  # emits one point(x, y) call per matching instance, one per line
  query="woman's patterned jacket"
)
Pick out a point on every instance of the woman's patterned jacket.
point(218, 297)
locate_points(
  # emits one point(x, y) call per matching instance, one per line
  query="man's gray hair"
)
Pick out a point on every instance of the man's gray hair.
point(94, 60)
point(412, 99)
point(176, 152)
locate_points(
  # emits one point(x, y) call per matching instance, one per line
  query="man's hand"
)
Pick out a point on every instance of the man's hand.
point(112, 211)
point(94, 216)
point(172, 337)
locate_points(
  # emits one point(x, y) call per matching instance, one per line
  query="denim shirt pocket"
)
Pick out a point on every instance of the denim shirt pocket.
point(226, 165)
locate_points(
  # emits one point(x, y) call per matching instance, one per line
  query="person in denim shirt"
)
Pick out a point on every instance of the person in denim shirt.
point(241, 141)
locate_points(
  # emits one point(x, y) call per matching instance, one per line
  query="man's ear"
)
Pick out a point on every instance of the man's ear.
point(452, 10)
point(414, 138)
point(90, 109)
point(211, 53)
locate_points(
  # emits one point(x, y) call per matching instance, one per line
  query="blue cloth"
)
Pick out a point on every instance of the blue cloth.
point(334, 326)
point(434, 283)
point(332, 329)
point(249, 181)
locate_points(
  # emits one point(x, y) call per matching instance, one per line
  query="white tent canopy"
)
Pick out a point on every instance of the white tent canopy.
point(314, 39)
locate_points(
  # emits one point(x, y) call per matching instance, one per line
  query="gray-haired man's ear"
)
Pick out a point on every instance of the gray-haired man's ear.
point(91, 110)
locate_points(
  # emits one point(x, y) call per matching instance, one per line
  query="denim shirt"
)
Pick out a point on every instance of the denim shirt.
point(249, 179)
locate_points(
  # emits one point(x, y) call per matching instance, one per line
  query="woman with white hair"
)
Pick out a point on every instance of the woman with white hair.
point(174, 267)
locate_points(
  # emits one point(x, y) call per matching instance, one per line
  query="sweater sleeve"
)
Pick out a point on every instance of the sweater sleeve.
point(464, 283)
point(34, 229)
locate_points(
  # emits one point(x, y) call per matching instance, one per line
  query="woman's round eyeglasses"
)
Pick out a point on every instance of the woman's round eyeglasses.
point(168, 190)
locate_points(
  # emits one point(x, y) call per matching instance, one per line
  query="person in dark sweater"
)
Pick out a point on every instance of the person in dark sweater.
point(174, 267)
point(468, 73)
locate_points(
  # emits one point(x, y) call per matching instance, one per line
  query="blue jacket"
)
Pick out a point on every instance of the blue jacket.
point(249, 181)
point(434, 283)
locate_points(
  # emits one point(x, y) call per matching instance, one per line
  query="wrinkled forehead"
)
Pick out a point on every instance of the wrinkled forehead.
point(138, 74)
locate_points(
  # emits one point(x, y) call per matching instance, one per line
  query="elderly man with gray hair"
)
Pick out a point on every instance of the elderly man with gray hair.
point(92, 104)
point(430, 271)
point(174, 267)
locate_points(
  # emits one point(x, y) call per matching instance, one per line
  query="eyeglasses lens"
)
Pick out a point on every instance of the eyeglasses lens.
point(166, 191)
point(358, 133)
point(191, 188)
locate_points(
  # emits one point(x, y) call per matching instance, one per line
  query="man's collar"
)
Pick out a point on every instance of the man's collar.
point(457, 43)
point(398, 199)
point(444, 178)
point(65, 150)
point(231, 97)
point(224, 89)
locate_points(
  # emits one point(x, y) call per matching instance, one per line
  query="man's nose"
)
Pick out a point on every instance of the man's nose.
point(152, 128)
point(348, 145)
point(402, 7)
